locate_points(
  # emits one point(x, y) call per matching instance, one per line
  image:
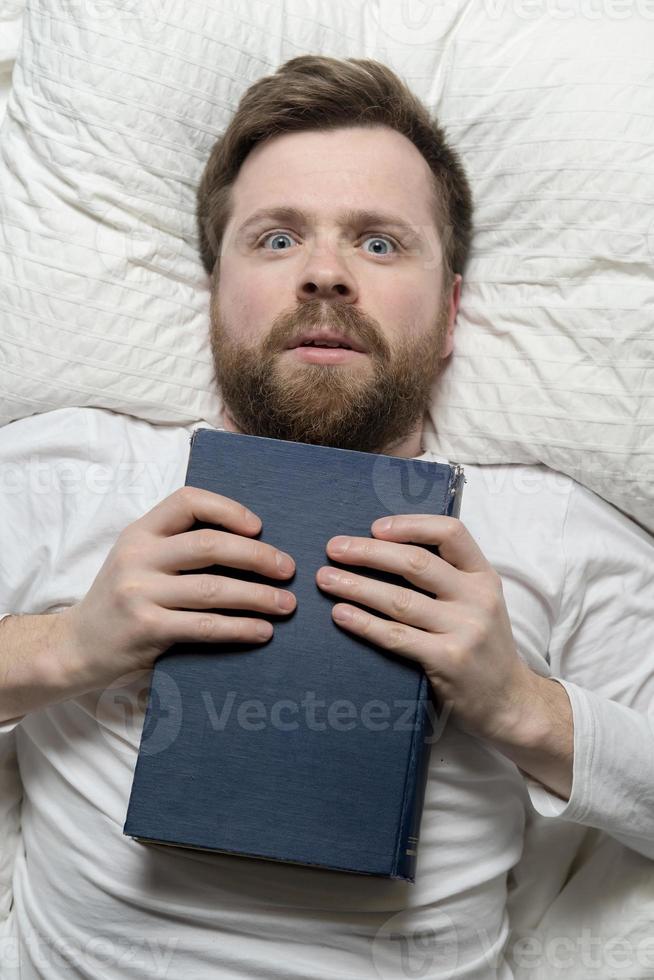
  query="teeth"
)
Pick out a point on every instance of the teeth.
point(324, 343)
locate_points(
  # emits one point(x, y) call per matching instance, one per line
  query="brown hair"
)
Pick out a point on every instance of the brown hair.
point(313, 92)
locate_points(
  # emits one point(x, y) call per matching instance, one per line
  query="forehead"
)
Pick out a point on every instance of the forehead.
point(336, 170)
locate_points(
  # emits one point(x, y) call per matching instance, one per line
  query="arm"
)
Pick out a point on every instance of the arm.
point(613, 785)
point(586, 740)
point(29, 646)
point(595, 755)
point(139, 605)
point(543, 745)
point(602, 653)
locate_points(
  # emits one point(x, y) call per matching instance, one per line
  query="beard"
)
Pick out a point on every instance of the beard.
point(367, 405)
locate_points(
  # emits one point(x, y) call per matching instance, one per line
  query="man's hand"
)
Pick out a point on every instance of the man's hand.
point(461, 636)
point(139, 604)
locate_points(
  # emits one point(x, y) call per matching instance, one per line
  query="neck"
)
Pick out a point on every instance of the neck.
point(409, 447)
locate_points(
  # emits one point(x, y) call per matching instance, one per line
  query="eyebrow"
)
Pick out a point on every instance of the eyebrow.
point(350, 218)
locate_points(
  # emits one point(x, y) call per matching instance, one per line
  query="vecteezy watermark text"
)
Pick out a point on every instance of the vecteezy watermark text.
point(122, 707)
point(318, 715)
point(37, 476)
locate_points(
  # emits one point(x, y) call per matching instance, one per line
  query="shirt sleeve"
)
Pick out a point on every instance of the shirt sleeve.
point(602, 652)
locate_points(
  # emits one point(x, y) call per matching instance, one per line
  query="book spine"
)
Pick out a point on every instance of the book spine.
point(414, 787)
point(454, 491)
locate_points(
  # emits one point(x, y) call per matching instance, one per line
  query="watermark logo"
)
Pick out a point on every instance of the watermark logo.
point(402, 948)
point(402, 485)
point(123, 716)
point(412, 22)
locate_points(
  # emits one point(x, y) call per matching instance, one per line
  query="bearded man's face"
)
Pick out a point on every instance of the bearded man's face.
point(346, 246)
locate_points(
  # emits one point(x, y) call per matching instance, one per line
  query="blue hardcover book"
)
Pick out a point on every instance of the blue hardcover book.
point(312, 748)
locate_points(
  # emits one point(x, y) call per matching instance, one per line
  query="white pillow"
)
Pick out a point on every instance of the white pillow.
point(114, 109)
point(11, 15)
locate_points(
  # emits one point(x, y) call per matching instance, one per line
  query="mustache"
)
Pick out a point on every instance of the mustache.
point(342, 317)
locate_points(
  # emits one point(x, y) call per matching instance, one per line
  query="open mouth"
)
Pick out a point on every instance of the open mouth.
point(326, 340)
point(325, 346)
point(322, 354)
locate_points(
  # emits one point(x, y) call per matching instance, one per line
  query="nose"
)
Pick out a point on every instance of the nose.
point(325, 275)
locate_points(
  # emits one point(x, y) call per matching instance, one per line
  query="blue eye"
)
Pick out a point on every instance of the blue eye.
point(274, 235)
point(379, 238)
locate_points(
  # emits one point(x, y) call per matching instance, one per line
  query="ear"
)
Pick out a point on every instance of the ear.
point(454, 299)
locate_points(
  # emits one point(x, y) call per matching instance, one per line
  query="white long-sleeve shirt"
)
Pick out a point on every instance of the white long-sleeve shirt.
point(89, 901)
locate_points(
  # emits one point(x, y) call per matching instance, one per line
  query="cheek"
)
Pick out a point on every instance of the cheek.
point(407, 314)
point(404, 301)
point(232, 297)
point(247, 303)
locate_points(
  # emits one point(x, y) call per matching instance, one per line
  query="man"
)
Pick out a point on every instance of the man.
point(317, 158)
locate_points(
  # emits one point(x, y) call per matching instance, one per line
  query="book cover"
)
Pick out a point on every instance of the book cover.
point(311, 748)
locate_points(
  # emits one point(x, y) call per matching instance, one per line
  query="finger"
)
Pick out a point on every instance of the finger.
point(417, 565)
point(203, 627)
point(221, 592)
point(399, 638)
point(206, 546)
point(450, 535)
point(181, 509)
point(404, 605)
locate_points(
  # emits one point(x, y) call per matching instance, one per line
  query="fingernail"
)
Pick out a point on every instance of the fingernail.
point(284, 563)
point(342, 613)
point(284, 599)
point(339, 545)
point(384, 524)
